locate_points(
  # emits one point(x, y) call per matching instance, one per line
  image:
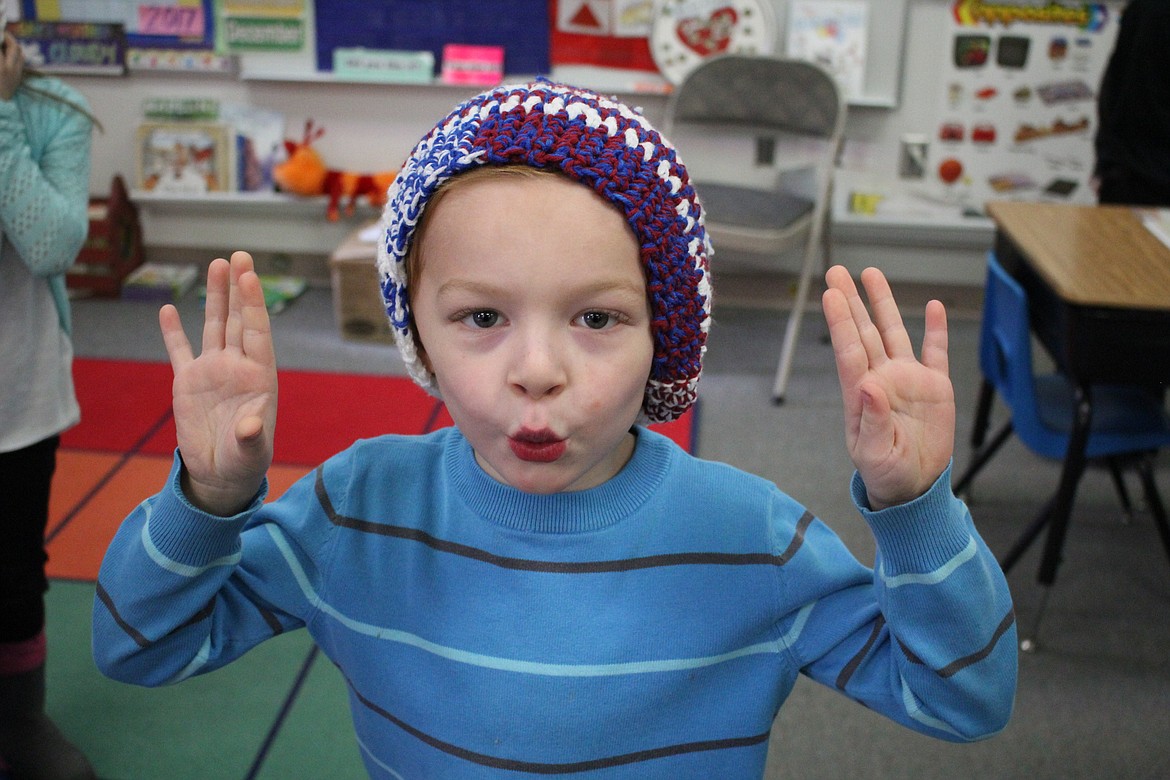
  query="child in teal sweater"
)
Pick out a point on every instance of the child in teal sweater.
point(550, 588)
point(45, 129)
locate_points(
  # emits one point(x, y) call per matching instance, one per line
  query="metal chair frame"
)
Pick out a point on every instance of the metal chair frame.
point(793, 112)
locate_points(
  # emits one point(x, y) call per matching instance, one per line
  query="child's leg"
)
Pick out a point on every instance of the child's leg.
point(30, 743)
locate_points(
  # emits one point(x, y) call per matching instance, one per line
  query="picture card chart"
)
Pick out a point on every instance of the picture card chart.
point(1018, 108)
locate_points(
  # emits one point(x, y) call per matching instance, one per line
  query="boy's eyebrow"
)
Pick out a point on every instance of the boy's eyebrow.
point(590, 288)
point(467, 285)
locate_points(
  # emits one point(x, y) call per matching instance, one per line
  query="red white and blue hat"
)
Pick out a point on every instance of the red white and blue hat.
point(611, 148)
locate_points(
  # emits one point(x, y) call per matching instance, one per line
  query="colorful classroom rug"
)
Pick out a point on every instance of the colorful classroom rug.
point(121, 451)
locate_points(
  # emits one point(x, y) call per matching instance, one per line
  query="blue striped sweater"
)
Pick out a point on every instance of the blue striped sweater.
point(650, 627)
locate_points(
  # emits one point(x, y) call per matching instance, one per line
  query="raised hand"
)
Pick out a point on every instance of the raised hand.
point(11, 66)
point(224, 399)
point(899, 412)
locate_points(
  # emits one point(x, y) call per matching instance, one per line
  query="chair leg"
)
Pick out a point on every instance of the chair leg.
point(1145, 466)
point(1122, 491)
point(792, 330)
point(982, 413)
point(1154, 499)
point(1026, 538)
point(981, 456)
point(1060, 512)
point(1030, 643)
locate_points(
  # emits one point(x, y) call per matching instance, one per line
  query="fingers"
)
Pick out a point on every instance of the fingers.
point(11, 67)
point(234, 312)
point(215, 309)
point(852, 361)
point(241, 263)
point(935, 340)
point(866, 334)
point(886, 315)
point(884, 336)
point(13, 53)
point(256, 336)
point(175, 340)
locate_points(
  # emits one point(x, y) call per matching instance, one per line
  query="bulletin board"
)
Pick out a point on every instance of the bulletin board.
point(161, 24)
point(593, 38)
point(522, 28)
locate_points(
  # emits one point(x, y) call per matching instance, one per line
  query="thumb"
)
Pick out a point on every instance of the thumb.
point(875, 417)
point(249, 431)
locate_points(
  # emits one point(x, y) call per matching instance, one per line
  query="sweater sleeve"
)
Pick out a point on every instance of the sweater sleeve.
point(181, 592)
point(44, 177)
point(930, 639)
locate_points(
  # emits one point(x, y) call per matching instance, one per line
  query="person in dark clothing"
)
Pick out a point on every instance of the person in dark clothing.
point(1133, 131)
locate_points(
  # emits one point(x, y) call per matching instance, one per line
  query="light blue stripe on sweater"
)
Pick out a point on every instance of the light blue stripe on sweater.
point(197, 663)
point(365, 749)
point(914, 710)
point(511, 664)
point(936, 576)
point(173, 566)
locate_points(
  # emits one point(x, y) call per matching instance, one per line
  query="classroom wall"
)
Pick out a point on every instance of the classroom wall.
point(370, 127)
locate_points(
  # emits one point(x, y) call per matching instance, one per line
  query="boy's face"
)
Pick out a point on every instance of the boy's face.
point(531, 309)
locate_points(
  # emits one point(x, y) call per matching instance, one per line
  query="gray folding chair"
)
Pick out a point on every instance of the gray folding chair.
point(772, 129)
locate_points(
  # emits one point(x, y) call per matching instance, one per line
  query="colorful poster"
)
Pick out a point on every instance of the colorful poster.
point(1018, 108)
point(686, 33)
point(159, 24)
point(833, 35)
point(66, 47)
point(262, 25)
point(602, 33)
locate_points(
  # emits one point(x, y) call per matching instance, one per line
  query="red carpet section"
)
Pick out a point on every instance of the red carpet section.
point(121, 451)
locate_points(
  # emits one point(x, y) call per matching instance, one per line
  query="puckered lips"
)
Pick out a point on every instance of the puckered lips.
point(541, 446)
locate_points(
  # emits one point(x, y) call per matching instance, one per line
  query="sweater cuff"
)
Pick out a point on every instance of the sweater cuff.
point(920, 535)
point(186, 534)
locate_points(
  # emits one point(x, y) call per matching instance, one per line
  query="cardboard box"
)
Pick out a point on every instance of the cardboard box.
point(357, 300)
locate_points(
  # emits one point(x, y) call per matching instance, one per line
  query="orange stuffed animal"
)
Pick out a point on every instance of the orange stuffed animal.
point(304, 173)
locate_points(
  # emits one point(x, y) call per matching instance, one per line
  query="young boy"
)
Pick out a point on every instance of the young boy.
point(548, 587)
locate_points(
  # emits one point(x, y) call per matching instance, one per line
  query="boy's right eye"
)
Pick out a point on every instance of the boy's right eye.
point(484, 318)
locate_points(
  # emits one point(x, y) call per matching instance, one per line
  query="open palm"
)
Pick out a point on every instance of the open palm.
point(899, 411)
point(224, 399)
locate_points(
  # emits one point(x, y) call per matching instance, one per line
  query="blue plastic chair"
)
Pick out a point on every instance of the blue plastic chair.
point(1129, 424)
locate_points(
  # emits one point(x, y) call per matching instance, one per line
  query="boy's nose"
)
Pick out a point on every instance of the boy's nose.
point(538, 369)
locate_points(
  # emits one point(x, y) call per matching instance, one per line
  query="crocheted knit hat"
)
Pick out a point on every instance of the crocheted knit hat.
point(613, 150)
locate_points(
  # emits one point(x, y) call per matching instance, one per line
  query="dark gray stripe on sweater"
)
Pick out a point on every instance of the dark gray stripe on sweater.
point(562, 567)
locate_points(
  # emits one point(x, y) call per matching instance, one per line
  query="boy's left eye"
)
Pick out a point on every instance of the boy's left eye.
point(482, 318)
point(597, 320)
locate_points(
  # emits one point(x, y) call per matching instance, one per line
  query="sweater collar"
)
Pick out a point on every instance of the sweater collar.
point(560, 513)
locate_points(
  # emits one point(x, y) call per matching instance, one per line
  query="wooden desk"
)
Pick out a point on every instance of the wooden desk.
point(1098, 284)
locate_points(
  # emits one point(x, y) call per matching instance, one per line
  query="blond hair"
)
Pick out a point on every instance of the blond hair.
point(414, 260)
